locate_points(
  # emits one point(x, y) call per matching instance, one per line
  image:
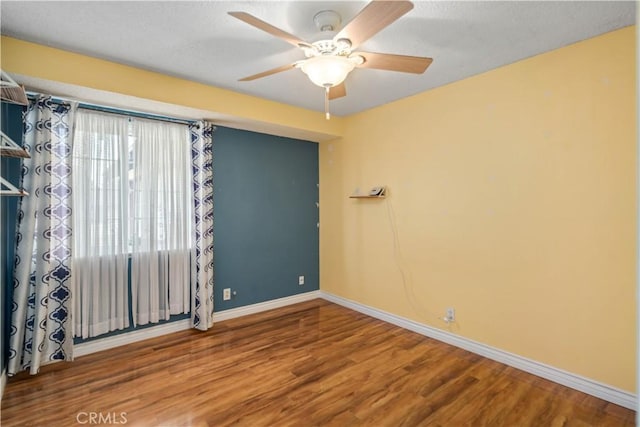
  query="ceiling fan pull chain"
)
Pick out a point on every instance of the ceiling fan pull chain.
point(326, 103)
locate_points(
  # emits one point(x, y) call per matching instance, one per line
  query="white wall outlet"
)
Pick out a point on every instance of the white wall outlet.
point(450, 315)
point(300, 280)
point(226, 294)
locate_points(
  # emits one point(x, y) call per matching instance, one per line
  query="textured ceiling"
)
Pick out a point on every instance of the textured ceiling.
point(199, 41)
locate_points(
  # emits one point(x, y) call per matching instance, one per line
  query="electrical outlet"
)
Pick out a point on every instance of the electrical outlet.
point(450, 315)
point(226, 294)
point(300, 280)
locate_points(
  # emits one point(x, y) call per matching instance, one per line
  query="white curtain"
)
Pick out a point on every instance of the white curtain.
point(100, 222)
point(161, 220)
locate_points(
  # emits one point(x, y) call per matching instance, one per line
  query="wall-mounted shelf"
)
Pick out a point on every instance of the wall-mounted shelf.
point(10, 91)
point(364, 196)
point(375, 193)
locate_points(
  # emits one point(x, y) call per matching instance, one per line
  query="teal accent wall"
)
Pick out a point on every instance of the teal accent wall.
point(11, 125)
point(265, 216)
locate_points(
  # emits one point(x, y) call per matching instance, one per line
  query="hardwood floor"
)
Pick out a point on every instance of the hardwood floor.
point(310, 364)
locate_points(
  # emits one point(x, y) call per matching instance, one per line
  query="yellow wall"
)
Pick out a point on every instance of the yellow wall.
point(512, 196)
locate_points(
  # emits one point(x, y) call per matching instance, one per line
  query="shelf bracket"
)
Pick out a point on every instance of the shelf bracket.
point(10, 190)
point(9, 148)
point(11, 91)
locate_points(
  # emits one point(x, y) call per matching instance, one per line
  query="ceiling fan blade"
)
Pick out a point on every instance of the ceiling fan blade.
point(387, 61)
point(372, 19)
point(268, 73)
point(264, 26)
point(339, 91)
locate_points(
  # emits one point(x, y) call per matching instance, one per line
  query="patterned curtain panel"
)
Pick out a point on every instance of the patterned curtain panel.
point(41, 328)
point(202, 256)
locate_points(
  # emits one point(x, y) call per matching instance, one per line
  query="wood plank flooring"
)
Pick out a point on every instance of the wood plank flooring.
point(309, 364)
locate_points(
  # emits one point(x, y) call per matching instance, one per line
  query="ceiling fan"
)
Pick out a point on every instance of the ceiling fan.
point(330, 59)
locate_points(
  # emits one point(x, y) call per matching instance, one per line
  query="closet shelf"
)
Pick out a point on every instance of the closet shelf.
point(13, 152)
point(8, 148)
point(10, 189)
point(10, 91)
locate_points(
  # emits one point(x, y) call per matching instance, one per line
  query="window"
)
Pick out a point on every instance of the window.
point(132, 201)
point(115, 178)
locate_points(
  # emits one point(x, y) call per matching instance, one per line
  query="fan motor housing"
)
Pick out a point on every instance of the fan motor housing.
point(330, 47)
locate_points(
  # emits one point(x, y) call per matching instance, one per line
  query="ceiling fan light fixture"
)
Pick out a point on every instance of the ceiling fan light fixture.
point(330, 58)
point(327, 70)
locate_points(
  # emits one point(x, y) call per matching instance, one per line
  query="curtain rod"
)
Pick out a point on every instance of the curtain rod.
point(116, 110)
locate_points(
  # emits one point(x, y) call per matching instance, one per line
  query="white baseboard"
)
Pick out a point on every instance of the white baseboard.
point(94, 346)
point(3, 382)
point(577, 382)
point(264, 306)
